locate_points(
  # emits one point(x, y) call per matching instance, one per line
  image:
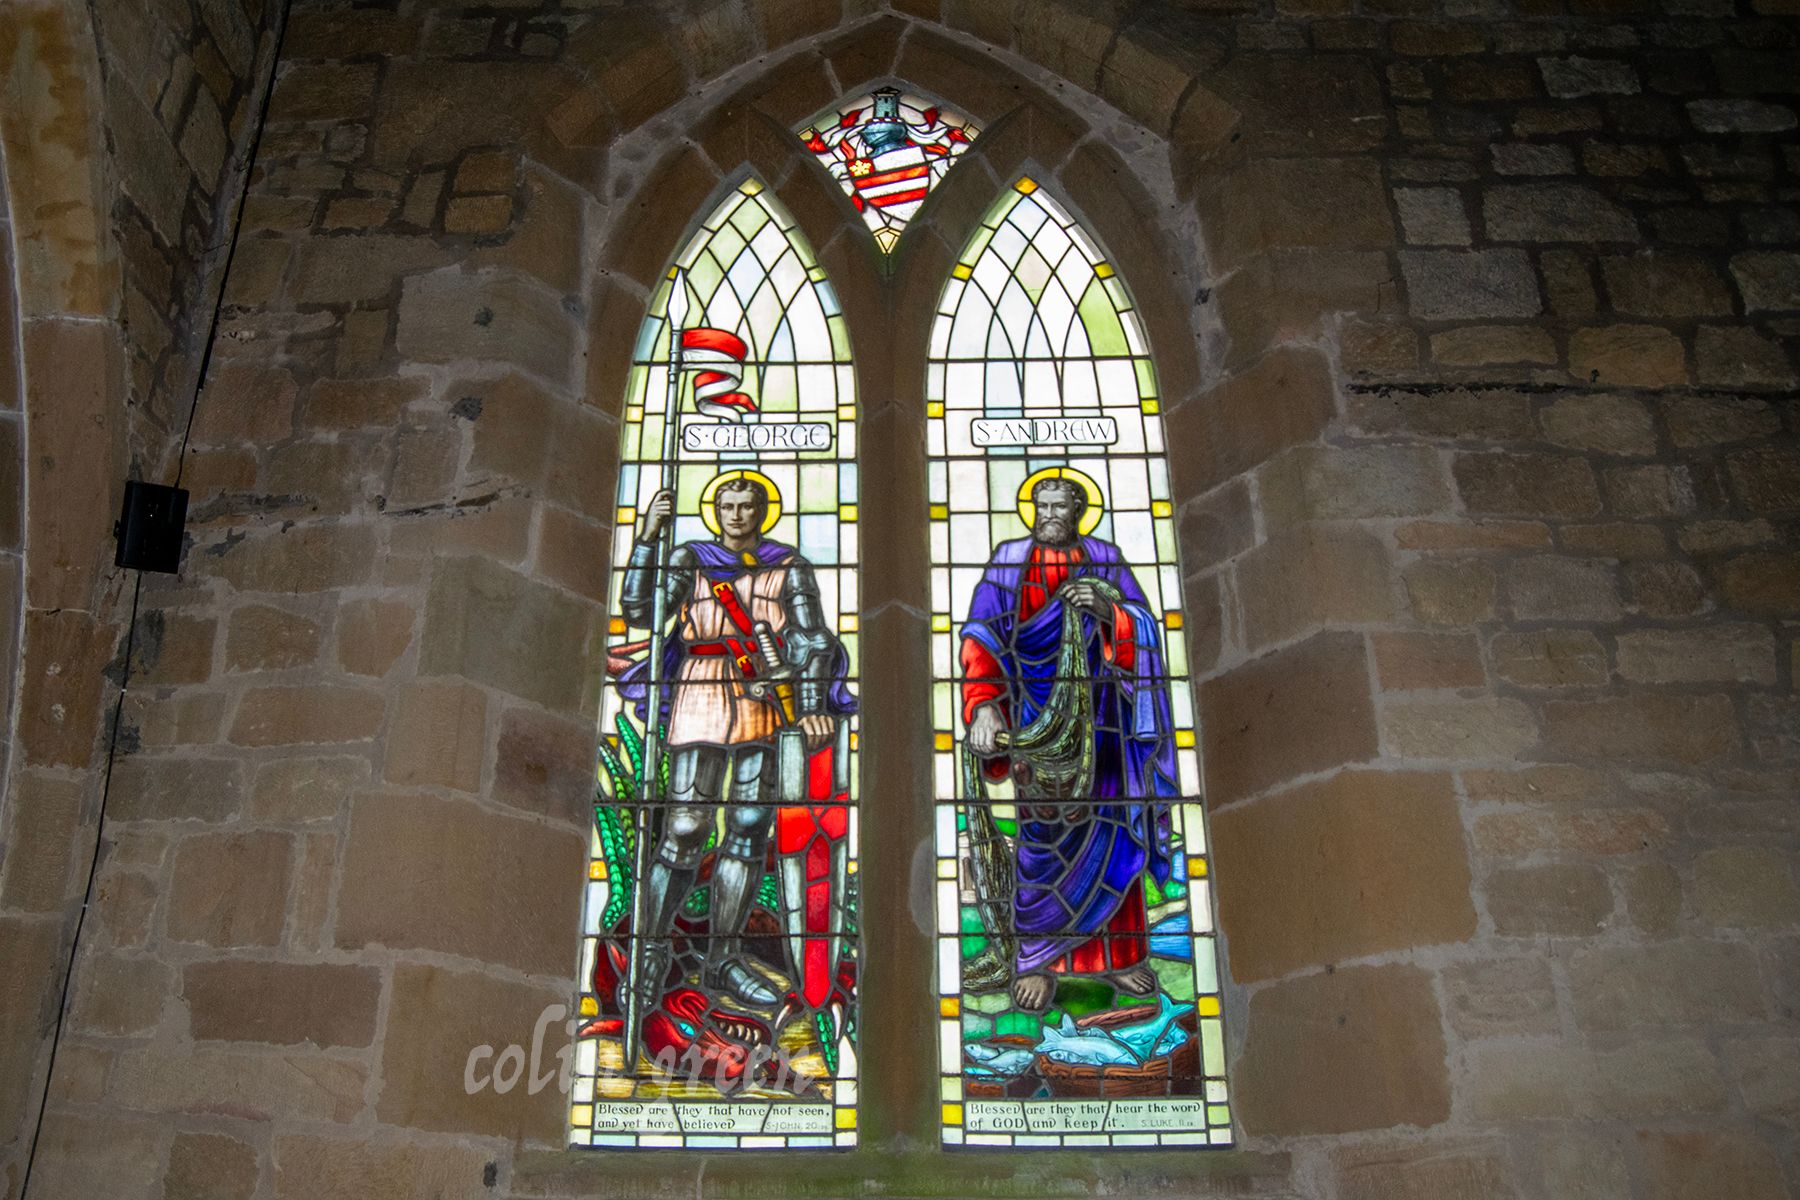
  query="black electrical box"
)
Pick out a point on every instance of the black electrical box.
point(150, 527)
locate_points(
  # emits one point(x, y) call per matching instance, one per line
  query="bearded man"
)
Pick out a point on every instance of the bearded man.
point(1078, 906)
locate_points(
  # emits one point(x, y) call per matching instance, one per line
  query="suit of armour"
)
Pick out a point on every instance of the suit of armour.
point(721, 737)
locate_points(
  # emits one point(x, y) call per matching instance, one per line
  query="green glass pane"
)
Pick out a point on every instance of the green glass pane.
point(1101, 319)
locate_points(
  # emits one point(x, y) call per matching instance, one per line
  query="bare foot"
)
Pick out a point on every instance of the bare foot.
point(1138, 981)
point(1032, 992)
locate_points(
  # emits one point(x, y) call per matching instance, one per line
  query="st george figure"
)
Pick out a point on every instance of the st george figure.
point(1064, 688)
point(753, 706)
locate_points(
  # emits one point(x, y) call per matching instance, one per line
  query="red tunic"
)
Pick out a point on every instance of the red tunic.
point(1122, 945)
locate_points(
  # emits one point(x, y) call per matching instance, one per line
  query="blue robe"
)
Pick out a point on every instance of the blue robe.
point(1074, 875)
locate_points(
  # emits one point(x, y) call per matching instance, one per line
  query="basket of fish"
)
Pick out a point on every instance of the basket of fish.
point(1143, 1050)
point(1000, 1068)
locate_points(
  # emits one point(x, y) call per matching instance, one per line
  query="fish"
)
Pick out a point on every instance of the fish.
point(1129, 1045)
point(997, 1060)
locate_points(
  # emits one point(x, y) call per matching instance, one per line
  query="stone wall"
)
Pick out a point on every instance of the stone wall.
point(1477, 324)
point(124, 128)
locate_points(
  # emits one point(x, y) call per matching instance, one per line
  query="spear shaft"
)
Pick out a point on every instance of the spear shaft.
point(650, 791)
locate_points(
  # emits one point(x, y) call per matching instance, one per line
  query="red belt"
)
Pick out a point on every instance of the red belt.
point(731, 648)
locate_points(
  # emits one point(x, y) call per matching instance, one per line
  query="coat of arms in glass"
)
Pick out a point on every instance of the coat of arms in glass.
point(887, 149)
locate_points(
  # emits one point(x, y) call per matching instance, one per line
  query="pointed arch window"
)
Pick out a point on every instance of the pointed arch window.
point(719, 940)
point(1077, 970)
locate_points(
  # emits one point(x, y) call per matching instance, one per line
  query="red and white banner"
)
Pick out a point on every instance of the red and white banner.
point(716, 359)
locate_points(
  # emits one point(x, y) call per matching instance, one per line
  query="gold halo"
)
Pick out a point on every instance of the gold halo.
point(1090, 516)
point(712, 489)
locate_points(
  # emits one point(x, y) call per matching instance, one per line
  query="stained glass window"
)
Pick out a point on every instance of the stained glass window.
point(1077, 974)
point(720, 950)
point(888, 149)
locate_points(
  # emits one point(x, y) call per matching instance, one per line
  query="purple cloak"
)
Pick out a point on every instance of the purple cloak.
point(1073, 875)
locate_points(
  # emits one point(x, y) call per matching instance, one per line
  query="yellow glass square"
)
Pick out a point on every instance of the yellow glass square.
point(940, 512)
point(634, 412)
point(1184, 738)
point(627, 515)
point(950, 1006)
point(941, 741)
point(1208, 1006)
point(846, 512)
point(855, 740)
point(962, 270)
point(1149, 407)
point(846, 1118)
point(953, 1114)
point(597, 869)
point(934, 408)
point(846, 412)
point(946, 868)
point(1026, 185)
point(616, 625)
point(1172, 618)
point(750, 187)
point(940, 622)
point(590, 1007)
point(1103, 270)
point(581, 1116)
point(1196, 867)
point(847, 623)
point(1161, 508)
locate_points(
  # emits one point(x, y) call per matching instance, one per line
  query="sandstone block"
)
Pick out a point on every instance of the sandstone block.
point(1766, 1071)
point(1764, 583)
point(1216, 526)
point(544, 763)
point(1303, 105)
point(1767, 480)
point(1716, 654)
point(1606, 424)
point(1456, 413)
point(1553, 900)
point(324, 92)
point(1554, 212)
point(445, 875)
point(1575, 76)
point(300, 559)
point(1482, 345)
point(1659, 1077)
point(60, 680)
point(1546, 658)
point(497, 627)
point(1485, 728)
point(1527, 484)
point(118, 995)
point(305, 789)
point(261, 637)
point(1282, 202)
point(230, 889)
point(154, 788)
point(1349, 584)
point(1424, 1171)
point(1359, 1048)
point(1450, 591)
point(1300, 892)
point(1623, 540)
point(43, 813)
point(1562, 589)
point(208, 1166)
point(450, 317)
point(1328, 483)
point(289, 716)
point(373, 634)
point(1501, 997)
point(324, 1004)
point(1532, 1080)
point(438, 1016)
point(1746, 887)
point(1698, 1165)
point(310, 1165)
point(1664, 589)
point(251, 1085)
point(1283, 400)
point(1303, 708)
point(359, 269)
point(1452, 285)
point(1628, 356)
point(1768, 279)
point(1432, 216)
point(1473, 535)
point(1616, 829)
point(1649, 491)
point(1691, 730)
point(438, 737)
point(1665, 983)
point(1669, 286)
point(1729, 356)
point(1424, 661)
